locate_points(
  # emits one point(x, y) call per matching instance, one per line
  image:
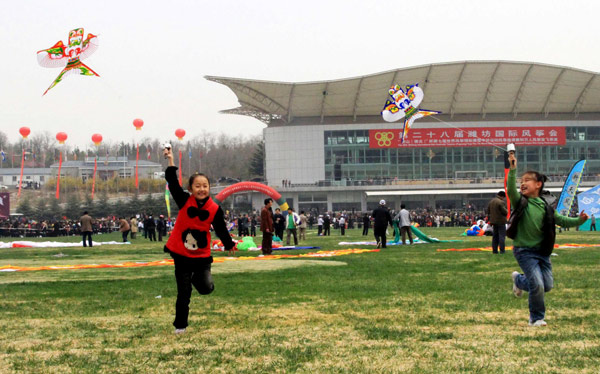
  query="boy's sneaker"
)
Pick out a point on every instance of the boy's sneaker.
point(378, 244)
point(516, 290)
point(538, 323)
point(179, 331)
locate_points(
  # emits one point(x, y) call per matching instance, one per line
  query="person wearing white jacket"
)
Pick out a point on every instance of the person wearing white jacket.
point(292, 221)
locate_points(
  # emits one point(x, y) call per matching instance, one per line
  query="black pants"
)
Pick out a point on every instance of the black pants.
point(366, 230)
point(190, 272)
point(292, 232)
point(498, 238)
point(124, 233)
point(404, 230)
point(160, 235)
point(319, 230)
point(267, 243)
point(380, 235)
point(152, 235)
point(326, 230)
point(592, 227)
point(279, 233)
point(87, 234)
point(342, 229)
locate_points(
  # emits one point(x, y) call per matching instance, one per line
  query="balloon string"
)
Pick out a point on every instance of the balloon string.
point(458, 128)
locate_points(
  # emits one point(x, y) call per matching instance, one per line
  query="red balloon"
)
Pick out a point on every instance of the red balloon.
point(24, 131)
point(138, 123)
point(180, 133)
point(61, 137)
point(97, 139)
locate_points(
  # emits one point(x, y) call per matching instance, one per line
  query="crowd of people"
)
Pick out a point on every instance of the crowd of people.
point(149, 227)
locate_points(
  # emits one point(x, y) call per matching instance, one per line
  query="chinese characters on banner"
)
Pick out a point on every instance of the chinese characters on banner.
point(468, 137)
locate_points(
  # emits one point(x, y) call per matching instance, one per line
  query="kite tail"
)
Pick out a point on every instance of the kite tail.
point(86, 70)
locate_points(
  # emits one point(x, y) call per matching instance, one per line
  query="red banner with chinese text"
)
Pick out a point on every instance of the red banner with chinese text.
point(468, 137)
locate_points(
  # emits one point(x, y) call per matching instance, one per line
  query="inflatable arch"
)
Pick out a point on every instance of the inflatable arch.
point(251, 186)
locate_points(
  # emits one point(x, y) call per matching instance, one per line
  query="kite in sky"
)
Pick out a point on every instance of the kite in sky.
point(404, 105)
point(69, 56)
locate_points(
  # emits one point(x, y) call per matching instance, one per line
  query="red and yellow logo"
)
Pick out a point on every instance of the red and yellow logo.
point(384, 138)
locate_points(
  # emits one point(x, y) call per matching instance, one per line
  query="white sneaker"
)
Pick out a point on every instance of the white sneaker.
point(538, 323)
point(179, 331)
point(516, 290)
point(378, 244)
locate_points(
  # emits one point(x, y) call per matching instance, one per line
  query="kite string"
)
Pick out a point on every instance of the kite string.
point(458, 128)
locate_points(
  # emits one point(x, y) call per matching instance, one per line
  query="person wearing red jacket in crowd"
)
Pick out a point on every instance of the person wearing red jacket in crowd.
point(189, 243)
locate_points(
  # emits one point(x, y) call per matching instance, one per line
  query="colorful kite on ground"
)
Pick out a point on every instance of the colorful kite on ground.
point(404, 105)
point(69, 56)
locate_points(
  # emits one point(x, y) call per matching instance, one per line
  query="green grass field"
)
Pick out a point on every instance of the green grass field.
point(402, 310)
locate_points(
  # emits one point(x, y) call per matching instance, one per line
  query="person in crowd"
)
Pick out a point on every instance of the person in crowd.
point(381, 216)
point(405, 224)
point(366, 224)
point(189, 242)
point(533, 230)
point(342, 224)
point(326, 225)
point(497, 213)
point(150, 227)
point(86, 228)
point(292, 221)
point(161, 227)
point(267, 227)
point(593, 223)
point(320, 225)
point(303, 225)
point(124, 228)
point(278, 223)
point(253, 224)
point(134, 227)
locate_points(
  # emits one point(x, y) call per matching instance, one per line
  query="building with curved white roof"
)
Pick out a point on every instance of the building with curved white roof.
point(322, 136)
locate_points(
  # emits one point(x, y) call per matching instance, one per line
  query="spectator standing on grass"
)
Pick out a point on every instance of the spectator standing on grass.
point(320, 225)
point(291, 223)
point(405, 224)
point(279, 223)
point(593, 223)
point(134, 227)
point(86, 228)
point(497, 212)
point(342, 223)
point(124, 228)
point(366, 224)
point(533, 229)
point(326, 225)
point(161, 227)
point(266, 226)
point(303, 225)
point(150, 227)
point(381, 216)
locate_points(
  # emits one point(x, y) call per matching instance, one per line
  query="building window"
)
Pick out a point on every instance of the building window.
point(41, 178)
point(14, 178)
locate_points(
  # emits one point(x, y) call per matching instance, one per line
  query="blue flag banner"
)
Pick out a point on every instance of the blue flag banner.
point(567, 196)
point(589, 201)
point(3, 156)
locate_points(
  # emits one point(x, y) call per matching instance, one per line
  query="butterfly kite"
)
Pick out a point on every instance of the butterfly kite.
point(404, 105)
point(69, 56)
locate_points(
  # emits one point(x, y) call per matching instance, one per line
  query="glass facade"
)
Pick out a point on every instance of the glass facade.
point(350, 149)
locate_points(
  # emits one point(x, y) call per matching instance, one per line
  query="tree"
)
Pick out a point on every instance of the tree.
point(41, 209)
point(73, 208)
point(56, 212)
point(257, 162)
point(24, 207)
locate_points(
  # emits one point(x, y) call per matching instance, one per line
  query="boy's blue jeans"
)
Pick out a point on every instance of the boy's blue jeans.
point(537, 279)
